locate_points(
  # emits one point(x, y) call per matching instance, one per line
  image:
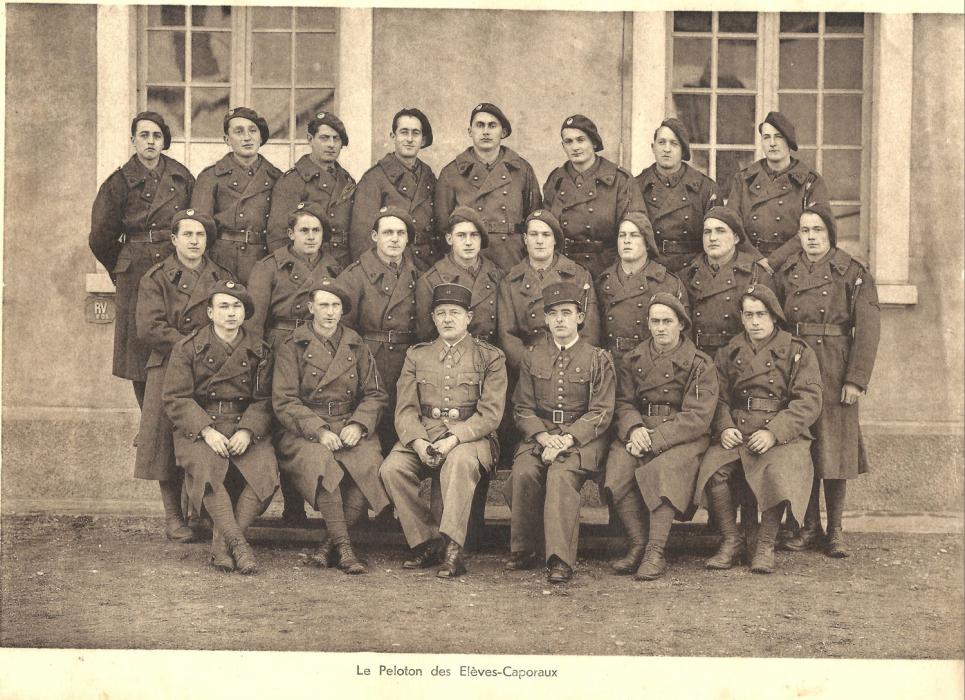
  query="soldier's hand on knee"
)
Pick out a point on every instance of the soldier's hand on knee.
point(216, 441)
point(634, 450)
point(850, 393)
point(350, 435)
point(445, 446)
point(641, 440)
point(557, 442)
point(731, 438)
point(421, 448)
point(329, 440)
point(761, 441)
point(549, 454)
point(239, 442)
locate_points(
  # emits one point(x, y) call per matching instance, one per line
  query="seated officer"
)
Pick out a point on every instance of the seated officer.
point(217, 393)
point(563, 405)
point(327, 395)
point(666, 397)
point(452, 392)
point(770, 395)
point(463, 265)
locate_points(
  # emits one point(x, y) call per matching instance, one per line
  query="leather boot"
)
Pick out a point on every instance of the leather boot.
point(453, 565)
point(810, 536)
point(424, 555)
point(220, 556)
point(834, 493)
point(347, 561)
point(763, 562)
point(322, 557)
point(635, 523)
point(293, 513)
point(241, 552)
point(722, 508)
point(654, 564)
point(175, 527)
point(749, 523)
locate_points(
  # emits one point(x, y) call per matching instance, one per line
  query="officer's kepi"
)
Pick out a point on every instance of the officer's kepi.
point(449, 293)
point(562, 293)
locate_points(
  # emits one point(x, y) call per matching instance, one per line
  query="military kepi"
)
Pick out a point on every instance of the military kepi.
point(327, 284)
point(586, 125)
point(250, 115)
point(210, 229)
point(669, 300)
point(562, 293)
point(233, 289)
point(157, 119)
point(490, 108)
point(769, 299)
point(782, 124)
point(449, 293)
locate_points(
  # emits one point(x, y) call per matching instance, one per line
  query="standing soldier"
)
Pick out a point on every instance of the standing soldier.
point(328, 397)
point(676, 195)
point(465, 266)
point(452, 392)
point(832, 303)
point(317, 177)
point(588, 195)
point(236, 193)
point(130, 231)
point(624, 289)
point(770, 194)
point(381, 288)
point(170, 305)
point(217, 393)
point(495, 181)
point(770, 395)
point(563, 405)
point(404, 181)
point(666, 398)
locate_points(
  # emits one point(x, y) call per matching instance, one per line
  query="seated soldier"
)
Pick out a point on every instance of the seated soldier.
point(666, 397)
point(216, 392)
point(328, 396)
point(563, 405)
point(770, 395)
point(451, 396)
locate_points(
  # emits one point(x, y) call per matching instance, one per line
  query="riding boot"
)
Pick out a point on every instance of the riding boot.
point(654, 564)
point(635, 524)
point(722, 508)
point(763, 562)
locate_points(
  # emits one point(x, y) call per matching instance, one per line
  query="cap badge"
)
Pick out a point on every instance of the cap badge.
point(750, 290)
point(383, 210)
point(570, 120)
point(229, 284)
point(320, 115)
point(538, 212)
point(189, 212)
point(301, 205)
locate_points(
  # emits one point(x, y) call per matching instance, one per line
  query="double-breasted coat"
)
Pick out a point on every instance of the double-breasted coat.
point(130, 230)
point(783, 370)
point(589, 206)
point(315, 388)
point(833, 306)
point(208, 385)
point(484, 283)
point(171, 304)
point(674, 396)
point(520, 321)
point(390, 183)
point(770, 206)
point(332, 187)
point(237, 197)
point(676, 206)
point(503, 194)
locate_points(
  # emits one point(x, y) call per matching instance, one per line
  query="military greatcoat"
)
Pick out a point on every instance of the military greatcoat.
point(483, 281)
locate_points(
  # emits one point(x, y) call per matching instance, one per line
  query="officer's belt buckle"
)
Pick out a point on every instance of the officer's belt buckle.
point(436, 412)
point(558, 417)
point(453, 413)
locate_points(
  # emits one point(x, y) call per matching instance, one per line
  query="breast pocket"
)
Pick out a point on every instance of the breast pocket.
point(470, 382)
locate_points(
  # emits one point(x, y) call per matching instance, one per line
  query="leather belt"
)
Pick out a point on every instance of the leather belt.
point(242, 236)
point(333, 408)
point(712, 340)
point(559, 417)
point(146, 236)
point(226, 406)
point(656, 409)
point(668, 247)
point(452, 412)
point(571, 246)
point(621, 343)
point(821, 329)
point(391, 337)
point(288, 324)
point(756, 404)
point(767, 246)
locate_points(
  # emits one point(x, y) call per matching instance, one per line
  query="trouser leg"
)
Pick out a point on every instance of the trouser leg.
point(526, 505)
point(810, 534)
point(354, 503)
point(763, 562)
point(632, 512)
point(175, 527)
point(329, 505)
point(834, 496)
point(722, 506)
point(561, 513)
point(218, 504)
point(458, 480)
point(402, 475)
point(139, 388)
point(654, 564)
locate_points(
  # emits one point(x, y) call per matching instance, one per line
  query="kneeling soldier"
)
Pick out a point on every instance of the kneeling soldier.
point(216, 392)
point(563, 405)
point(666, 397)
point(451, 396)
point(770, 395)
point(328, 396)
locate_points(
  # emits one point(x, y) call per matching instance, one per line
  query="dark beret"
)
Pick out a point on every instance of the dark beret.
point(210, 228)
point(328, 119)
point(546, 216)
point(680, 131)
point(327, 284)
point(464, 213)
point(669, 300)
point(642, 222)
point(234, 289)
point(782, 124)
point(399, 213)
point(729, 217)
point(157, 119)
point(769, 298)
point(251, 115)
point(490, 108)
point(824, 211)
point(586, 125)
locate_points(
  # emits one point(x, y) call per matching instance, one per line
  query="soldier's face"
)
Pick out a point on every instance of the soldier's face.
point(326, 144)
point(774, 144)
point(307, 235)
point(814, 235)
point(577, 146)
point(226, 312)
point(486, 132)
point(539, 241)
point(564, 321)
point(189, 240)
point(243, 137)
point(757, 320)
point(630, 243)
point(326, 309)
point(664, 325)
point(667, 150)
point(391, 237)
point(719, 240)
point(407, 137)
point(465, 242)
point(451, 321)
point(148, 140)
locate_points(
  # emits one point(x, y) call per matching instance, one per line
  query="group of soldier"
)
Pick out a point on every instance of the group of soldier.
point(346, 341)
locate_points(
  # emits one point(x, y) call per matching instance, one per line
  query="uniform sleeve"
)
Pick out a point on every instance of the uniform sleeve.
point(203, 196)
point(532, 199)
point(425, 328)
point(626, 414)
point(106, 225)
point(524, 404)
point(286, 399)
point(682, 294)
point(489, 406)
point(408, 414)
point(260, 288)
point(549, 191)
point(591, 323)
point(805, 396)
point(708, 194)
point(696, 410)
point(368, 201)
point(374, 398)
point(257, 417)
point(348, 280)
point(630, 197)
point(445, 200)
point(788, 249)
point(178, 393)
point(150, 316)
point(285, 196)
point(867, 331)
point(599, 413)
point(507, 329)
point(722, 417)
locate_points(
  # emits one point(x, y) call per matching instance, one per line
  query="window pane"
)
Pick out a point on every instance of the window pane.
point(694, 112)
point(737, 63)
point(272, 18)
point(802, 110)
point(808, 156)
point(165, 16)
point(735, 118)
point(745, 22)
point(301, 149)
point(798, 63)
point(842, 120)
point(211, 57)
point(691, 21)
point(308, 103)
point(273, 105)
point(701, 161)
point(201, 155)
point(278, 155)
point(842, 63)
point(219, 16)
point(315, 59)
point(842, 172)
point(316, 18)
point(844, 22)
point(847, 218)
point(165, 57)
point(729, 162)
point(169, 103)
point(271, 59)
point(208, 107)
point(691, 62)
point(799, 22)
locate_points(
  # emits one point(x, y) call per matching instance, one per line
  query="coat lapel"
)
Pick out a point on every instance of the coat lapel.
point(345, 358)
